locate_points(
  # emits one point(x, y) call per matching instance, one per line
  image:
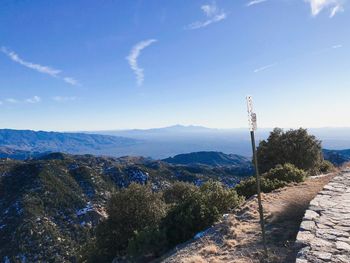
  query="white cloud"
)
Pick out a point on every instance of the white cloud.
point(337, 9)
point(42, 69)
point(71, 81)
point(35, 99)
point(133, 62)
point(335, 6)
point(63, 99)
point(337, 46)
point(37, 67)
point(264, 67)
point(255, 2)
point(11, 100)
point(213, 14)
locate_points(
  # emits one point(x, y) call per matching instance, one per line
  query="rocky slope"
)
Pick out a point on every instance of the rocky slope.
point(49, 206)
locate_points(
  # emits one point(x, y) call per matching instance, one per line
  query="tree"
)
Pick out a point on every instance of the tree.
point(294, 146)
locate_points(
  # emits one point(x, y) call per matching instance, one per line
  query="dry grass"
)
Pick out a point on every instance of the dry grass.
point(230, 243)
point(209, 250)
point(194, 259)
point(215, 260)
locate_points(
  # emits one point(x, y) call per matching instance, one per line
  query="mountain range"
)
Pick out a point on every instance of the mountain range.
point(154, 143)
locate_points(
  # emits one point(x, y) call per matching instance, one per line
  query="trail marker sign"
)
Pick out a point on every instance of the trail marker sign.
point(251, 115)
point(252, 128)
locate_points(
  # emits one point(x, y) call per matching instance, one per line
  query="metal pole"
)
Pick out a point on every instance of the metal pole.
point(261, 211)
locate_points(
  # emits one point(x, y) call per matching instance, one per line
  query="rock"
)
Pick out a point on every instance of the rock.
point(310, 215)
point(342, 246)
point(325, 230)
point(323, 255)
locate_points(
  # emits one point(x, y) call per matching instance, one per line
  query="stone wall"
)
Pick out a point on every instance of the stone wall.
point(324, 234)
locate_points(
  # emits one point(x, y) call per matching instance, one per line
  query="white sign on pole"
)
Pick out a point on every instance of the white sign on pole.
point(251, 115)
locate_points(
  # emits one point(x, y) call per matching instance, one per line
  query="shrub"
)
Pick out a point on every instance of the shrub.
point(178, 192)
point(129, 211)
point(286, 173)
point(326, 167)
point(187, 218)
point(276, 178)
point(294, 146)
point(219, 197)
point(149, 243)
point(198, 210)
point(247, 188)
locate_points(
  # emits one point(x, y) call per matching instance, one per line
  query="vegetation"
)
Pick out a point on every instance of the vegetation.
point(143, 224)
point(130, 210)
point(326, 167)
point(276, 178)
point(294, 146)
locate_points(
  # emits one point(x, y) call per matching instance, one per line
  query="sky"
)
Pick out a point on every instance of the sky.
point(108, 64)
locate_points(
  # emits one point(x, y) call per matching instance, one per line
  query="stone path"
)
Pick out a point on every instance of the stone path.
point(324, 234)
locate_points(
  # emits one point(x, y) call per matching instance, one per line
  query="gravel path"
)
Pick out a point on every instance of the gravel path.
point(324, 234)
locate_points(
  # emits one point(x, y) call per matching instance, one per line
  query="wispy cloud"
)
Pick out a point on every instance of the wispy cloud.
point(255, 2)
point(314, 53)
point(334, 6)
point(35, 99)
point(213, 15)
point(336, 9)
point(71, 81)
point(337, 46)
point(37, 67)
point(264, 67)
point(64, 99)
point(42, 69)
point(32, 100)
point(11, 100)
point(132, 58)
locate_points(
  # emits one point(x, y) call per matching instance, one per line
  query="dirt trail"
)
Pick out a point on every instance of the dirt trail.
point(237, 237)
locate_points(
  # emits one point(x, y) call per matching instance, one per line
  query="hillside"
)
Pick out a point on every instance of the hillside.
point(40, 141)
point(209, 158)
point(49, 206)
point(337, 157)
point(6, 152)
point(237, 237)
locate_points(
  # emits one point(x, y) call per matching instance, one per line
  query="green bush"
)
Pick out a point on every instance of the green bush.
point(247, 188)
point(287, 173)
point(294, 146)
point(198, 210)
point(147, 244)
point(187, 218)
point(129, 211)
point(276, 178)
point(326, 167)
point(178, 192)
point(219, 197)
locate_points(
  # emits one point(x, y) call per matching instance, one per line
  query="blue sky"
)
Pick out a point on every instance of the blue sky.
point(108, 64)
